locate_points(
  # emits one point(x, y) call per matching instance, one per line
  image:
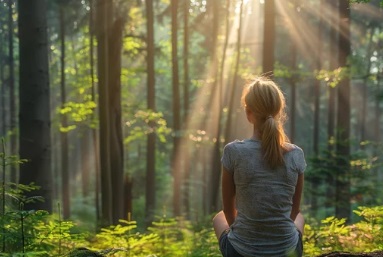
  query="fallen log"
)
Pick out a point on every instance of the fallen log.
point(345, 254)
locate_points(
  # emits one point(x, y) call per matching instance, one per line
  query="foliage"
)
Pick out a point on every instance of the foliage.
point(38, 233)
point(146, 122)
point(334, 235)
point(332, 77)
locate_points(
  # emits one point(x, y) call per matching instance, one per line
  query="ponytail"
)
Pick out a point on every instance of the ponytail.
point(264, 98)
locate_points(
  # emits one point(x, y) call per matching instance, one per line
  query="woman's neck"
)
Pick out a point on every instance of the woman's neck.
point(256, 134)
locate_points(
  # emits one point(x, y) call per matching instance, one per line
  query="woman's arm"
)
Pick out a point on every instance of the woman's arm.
point(297, 197)
point(228, 196)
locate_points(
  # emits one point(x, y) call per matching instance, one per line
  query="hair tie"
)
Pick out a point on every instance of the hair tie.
point(269, 117)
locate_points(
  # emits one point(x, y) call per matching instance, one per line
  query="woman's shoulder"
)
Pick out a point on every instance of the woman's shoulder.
point(242, 143)
point(292, 148)
point(295, 156)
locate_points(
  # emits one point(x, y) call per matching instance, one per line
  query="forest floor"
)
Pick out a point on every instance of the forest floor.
point(336, 254)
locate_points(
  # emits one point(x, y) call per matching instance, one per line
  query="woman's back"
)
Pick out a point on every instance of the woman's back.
point(263, 199)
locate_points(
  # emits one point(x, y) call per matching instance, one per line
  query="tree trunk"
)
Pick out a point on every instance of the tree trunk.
point(94, 130)
point(330, 177)
point(342, 194)
point(316, 181)
point(363, 111)
point(151, 104)
point(3, 95)
point(34, 115)
point(103, 79)
point(268, 37)
point(176, 162)
point(186, 85)
point(64, 135)
point(12, 92)
point(2, 89)
point(115, 136)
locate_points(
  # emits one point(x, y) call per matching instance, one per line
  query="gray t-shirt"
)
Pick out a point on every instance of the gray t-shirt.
point(263, 199)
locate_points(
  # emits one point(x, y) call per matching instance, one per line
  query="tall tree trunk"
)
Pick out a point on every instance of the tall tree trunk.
point(342, 194)
point(34, 115)
point(94, 130)
point(185, 145)
point(3, 95)
point(103, 79)
point(176, 162)
point(363, 111)
point(316, 181)
point(85, 162)
point(115, 136)
point(269, 37)
point(333, 64)
point(378, 99)
point(151, 104)
point(64, 135)
point(12, 92)
point(318, 66)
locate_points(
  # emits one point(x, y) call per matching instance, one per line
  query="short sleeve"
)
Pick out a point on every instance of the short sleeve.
point(227, 159)
point(299, 160)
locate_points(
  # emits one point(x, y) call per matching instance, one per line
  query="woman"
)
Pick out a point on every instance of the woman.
point(262, 182)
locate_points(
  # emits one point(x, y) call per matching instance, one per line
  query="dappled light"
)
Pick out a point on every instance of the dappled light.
point(114, 117)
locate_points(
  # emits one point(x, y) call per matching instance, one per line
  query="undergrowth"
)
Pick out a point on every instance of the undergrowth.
point(38, 233)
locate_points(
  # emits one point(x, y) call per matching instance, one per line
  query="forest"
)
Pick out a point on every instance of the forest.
point(114, 115)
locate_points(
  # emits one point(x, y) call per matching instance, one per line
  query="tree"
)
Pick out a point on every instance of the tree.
point(316, 180)
point(64, 122)
point(12, 89)
point(109, 72)
point(186, 104)
point(34, 114)
point(176, 107)
point(103, 25)
point(151, 104)
point(115, 136)
point(342, 194)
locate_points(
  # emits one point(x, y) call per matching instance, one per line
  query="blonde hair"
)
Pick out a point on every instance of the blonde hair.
point(267, 102)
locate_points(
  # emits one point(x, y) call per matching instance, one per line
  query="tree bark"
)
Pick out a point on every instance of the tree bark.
point(12, 92)
point(95, 140)
point(315, 182)
point(65, 195)
point(34, 115)
point(115, 136)
point(186, 104)
point(103, 79)
point(151, 104)
point(333, 53)
point(342, 194)
point(176, 162)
